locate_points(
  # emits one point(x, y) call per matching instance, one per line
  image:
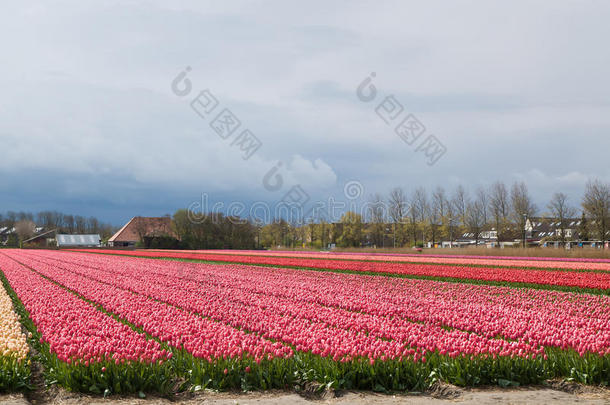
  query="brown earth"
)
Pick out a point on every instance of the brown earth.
point(555, 393)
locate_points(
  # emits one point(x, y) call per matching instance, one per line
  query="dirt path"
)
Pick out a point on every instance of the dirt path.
point(546, 396)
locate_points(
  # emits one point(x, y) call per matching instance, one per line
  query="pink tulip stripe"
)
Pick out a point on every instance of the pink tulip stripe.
point(504, 261)
point(593, 280)
point(529, 261)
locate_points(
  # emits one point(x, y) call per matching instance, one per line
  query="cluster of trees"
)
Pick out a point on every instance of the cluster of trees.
point(410, 219)
point(214, 231)
point(25, 224)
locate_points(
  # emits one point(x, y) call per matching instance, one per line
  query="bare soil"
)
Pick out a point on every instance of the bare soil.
point(555, 393)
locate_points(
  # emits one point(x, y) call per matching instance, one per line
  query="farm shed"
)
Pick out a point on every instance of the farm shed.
point(93, 240)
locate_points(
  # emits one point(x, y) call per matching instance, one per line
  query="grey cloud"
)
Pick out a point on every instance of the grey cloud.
point(513, 90)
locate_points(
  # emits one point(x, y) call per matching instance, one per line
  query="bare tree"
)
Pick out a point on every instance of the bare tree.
point(474, 218)
point(440, 196)
point(413, 215)
point(80, 224)
point(422, 208)
point(500, 206)
point(482, 198)
point(397, 209)
point(460, 203)
point(69, 223)
point(397, 202)
point(58, 220)
point(93, 225)
point(561, 210)
point(11, 219)
point(438, 212)
point(596, 203)
point(522, 205)
point(25, 229)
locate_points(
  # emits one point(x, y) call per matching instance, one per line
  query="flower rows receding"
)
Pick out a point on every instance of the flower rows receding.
point(564, 320)
point(600, 281)
point(181, 329)
point(385, 255)
point(310, 327)
point(13, 342)
point(74, 329)
point(307, 336)
point(517, 262)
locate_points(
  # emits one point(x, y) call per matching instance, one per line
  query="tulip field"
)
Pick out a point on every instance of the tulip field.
point(131, 321)
point(578, 278)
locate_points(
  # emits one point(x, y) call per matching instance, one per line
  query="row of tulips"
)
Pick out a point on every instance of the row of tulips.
point(269, 301)
point(14, 349)
point(462, 260)
point(571, 279)
point(82, 347)
point(528, 316)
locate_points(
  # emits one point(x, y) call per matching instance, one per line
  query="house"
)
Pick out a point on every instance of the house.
point(6, 234)
point(145, 230)
point(92, 240)
point(541, 230)
point(485, 238)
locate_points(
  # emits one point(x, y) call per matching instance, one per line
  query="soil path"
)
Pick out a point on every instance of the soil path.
point(494, 396)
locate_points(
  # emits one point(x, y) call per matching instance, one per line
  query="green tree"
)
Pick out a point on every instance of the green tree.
point(351, 235)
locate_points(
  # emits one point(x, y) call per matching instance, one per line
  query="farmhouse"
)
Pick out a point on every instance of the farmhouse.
point(147, 231)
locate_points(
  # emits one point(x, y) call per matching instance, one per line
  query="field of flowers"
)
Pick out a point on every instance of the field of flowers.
point(114, 324)
point(494, 261)
point(574, 279)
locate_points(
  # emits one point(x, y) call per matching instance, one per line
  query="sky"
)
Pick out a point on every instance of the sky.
point(96, 120)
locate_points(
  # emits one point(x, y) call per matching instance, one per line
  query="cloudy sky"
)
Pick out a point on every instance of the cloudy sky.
point(89, 123)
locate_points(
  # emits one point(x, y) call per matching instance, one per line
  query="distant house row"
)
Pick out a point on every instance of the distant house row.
point(544, 232)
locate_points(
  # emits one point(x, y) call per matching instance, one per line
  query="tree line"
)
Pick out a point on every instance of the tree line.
point(399, 218)
point(403, 218)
